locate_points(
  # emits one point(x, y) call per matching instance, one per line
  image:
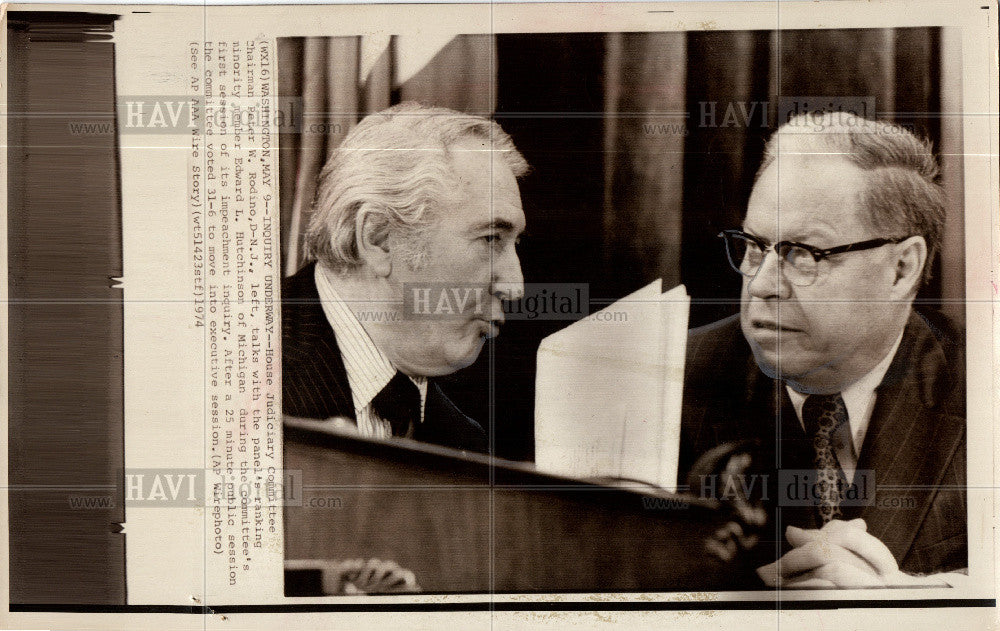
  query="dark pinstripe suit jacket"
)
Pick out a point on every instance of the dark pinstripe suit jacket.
point(314, 381)
point(915, 444)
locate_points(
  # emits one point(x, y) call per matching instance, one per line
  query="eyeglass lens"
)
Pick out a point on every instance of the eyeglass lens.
point(746, 257)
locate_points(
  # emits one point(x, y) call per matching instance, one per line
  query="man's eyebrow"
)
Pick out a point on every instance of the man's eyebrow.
point(497, 224)
point(805, 238)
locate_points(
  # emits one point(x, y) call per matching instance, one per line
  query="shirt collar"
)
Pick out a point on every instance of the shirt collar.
point(368, 369)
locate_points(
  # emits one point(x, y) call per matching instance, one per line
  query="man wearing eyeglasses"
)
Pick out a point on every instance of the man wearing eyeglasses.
point(853, 402)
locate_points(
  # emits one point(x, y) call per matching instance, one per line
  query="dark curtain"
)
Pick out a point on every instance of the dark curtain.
point(333, 82)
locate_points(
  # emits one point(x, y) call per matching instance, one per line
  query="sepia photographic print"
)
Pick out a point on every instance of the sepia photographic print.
point(500, 315)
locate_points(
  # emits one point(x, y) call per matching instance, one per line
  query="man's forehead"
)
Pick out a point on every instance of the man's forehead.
point(486, 204)
point(485, 212)
point(483, 171)
point(804, 195)
point(787, 167)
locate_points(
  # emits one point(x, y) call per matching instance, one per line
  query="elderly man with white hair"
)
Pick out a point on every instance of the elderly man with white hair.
point(416, 199)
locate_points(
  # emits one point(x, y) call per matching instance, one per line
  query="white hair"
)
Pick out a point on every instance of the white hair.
point(396, 164)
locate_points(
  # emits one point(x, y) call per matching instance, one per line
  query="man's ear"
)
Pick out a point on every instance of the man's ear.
point(911, 256)
point(371, 234)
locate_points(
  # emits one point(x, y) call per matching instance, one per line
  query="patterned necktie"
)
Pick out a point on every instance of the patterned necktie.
point(822, 414)
point(399, 403)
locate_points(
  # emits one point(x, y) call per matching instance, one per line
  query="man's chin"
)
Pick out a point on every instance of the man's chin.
point(766, 365)
point(768, 362)
point(461, 360)
point(808, 379)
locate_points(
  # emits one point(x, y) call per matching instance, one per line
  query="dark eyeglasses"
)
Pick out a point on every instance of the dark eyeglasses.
point(800, 262)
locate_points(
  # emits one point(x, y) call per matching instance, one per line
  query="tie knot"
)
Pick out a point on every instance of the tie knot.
point(399, 403)
point(822, 414)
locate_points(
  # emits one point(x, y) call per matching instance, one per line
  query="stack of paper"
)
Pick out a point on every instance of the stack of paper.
point(608, 395)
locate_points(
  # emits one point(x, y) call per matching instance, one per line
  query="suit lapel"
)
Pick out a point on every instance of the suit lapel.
point(331, 373)
point(315, 381)
point(794, 455)
point(910, 441)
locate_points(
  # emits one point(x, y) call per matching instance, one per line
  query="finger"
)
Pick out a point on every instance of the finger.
point(368, 572)
point(842, 575)
point(804, 558)
point(833, 525)
point(731, 530)
point(769, 574)
point(807, 583)
point(387, 571)
point(379, 575)
point(799, 537)
point(396, 579)
point(409, 578)
point(348, 569)
point(851, 537)
point(818, 553)
point(737, 464)
point(723, 550)
point(400, 580)
point(838, 525)
point(334, 575)
point(353, 565)
point(857, 522)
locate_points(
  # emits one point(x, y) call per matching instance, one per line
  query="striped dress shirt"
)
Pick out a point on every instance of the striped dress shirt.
point(368, 369)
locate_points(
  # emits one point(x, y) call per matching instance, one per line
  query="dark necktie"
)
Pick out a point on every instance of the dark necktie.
point(399, 403)
point(822, 414)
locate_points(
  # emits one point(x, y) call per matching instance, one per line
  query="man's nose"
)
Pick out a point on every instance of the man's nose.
point(769, 282)
point(508, 282)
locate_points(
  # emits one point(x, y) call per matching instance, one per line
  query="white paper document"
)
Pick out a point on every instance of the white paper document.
point(608, 391)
